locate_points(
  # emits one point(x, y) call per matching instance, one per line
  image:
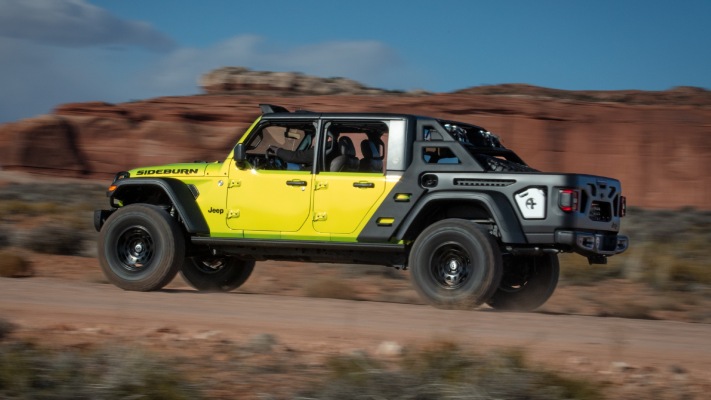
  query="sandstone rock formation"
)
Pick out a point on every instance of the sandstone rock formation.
point(239, 79)
point(657, 143)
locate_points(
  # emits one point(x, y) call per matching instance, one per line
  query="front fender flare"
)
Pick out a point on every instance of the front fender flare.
point(179, 194)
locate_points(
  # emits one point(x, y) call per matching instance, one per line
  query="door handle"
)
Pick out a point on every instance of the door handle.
point(296, 183)
point(368, 185)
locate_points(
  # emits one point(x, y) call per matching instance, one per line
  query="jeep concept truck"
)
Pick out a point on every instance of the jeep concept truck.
point(466, 215)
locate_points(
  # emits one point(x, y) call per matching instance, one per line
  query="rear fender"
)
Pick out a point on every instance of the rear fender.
point(500, 211)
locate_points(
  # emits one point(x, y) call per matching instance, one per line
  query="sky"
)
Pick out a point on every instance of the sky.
point(60, 51)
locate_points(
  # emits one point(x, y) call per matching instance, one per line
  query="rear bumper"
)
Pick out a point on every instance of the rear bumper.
point(588, 244)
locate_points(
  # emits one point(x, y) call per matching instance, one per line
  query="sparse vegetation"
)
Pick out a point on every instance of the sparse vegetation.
point(443, 370)
point(47, 218)
point(30, 371)
point(446, 371)
point(54, 238)
point(6, 328)
point(13, 265)
point(669, 250)
point(4, 236)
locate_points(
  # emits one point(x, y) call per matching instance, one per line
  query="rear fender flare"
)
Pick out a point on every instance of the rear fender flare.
point(499, 209)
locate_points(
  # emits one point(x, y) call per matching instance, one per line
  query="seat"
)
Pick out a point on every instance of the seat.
point(347, 160)
point(372, 160)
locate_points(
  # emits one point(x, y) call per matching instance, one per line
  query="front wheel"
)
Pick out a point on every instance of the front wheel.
point(455, 264)
point(141, 248)
point(216, 274)
point(528, 282)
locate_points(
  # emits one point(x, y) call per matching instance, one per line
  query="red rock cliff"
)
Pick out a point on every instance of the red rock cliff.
point(657, 143)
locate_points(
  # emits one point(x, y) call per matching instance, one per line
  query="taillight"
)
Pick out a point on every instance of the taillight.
point(623, 206)
point(569, 199)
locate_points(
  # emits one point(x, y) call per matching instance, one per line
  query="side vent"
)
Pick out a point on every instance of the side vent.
point(483, 182)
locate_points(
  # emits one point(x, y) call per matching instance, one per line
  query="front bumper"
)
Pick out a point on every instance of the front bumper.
point(593, 244)
point(100, 216)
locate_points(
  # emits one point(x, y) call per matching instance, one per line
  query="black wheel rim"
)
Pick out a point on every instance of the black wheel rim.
point(135, 249)
point(517, 274)
point(450, 266)
point(209, 265)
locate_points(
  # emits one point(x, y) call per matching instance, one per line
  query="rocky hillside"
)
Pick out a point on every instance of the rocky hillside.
point(657, 143)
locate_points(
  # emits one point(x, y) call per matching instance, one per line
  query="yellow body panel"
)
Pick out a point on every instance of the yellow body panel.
point(263, 200)
point(261, 204)
point(339, 206)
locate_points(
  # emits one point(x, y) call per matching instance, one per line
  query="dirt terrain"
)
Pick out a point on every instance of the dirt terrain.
point(69, 303)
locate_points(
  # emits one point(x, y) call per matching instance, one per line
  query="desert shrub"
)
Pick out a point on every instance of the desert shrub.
point(330, 288)
point(667, 250)
point(445, 371)
point(630, 310)
point(678, 265)
point(576, 270)
point(6, 328)
point(13, 265)
point(54, 238)
point(29, 371)
point(4, 236)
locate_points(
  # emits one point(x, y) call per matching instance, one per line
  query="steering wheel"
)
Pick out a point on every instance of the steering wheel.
point(273, 161)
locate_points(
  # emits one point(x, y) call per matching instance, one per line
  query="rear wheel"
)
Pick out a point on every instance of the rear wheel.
point(141, 247)
point(528, 282)
point(455, 264)
point(216, 274)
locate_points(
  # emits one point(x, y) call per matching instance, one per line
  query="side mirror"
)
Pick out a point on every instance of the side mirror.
point(240, 155)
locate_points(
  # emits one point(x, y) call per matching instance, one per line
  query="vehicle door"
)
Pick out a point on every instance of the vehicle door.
point(349, 184)
point(266, 196)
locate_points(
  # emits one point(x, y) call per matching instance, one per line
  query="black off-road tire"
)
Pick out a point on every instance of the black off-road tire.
point(217, 274)
point(455, 264)
point(141, 248)
point(528, 282)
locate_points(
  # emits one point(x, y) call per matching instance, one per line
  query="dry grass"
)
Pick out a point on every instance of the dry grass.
point(668, 250)
point(28, 370)
point(13, 265)
point(54, 238)
point(6, 328)
point(443, 370)
point(51, 219)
